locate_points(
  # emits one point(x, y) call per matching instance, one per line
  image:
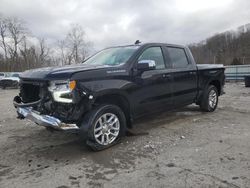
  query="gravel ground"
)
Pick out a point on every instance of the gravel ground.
point(185, 148)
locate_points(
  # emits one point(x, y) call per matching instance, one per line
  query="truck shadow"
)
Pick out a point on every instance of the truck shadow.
point(152, 121)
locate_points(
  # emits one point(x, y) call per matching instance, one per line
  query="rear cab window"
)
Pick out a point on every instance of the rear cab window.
point(178, 57)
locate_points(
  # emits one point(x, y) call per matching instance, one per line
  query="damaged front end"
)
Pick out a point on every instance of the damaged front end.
point(56, 104)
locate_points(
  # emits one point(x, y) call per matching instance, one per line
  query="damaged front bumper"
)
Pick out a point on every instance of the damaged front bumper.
point(44, 120)
point(27, 111)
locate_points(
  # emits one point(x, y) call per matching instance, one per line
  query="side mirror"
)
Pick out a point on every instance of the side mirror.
point(145, 65)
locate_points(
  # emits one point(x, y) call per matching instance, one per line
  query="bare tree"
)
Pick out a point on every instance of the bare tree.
point(20, 50)
point(62, 51)
point(24, 52)
point(74, 48)
point(3, 33)
point(44, 51)
point(17, 32)
point(76, 43)
point(28, 55)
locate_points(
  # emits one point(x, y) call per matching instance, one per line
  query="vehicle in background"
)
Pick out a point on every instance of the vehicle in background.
point(247, 81)
point(103, 96)
point(2, 75)
point(11, 80)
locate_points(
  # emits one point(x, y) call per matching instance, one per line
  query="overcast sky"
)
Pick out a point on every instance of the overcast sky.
point(116, 22)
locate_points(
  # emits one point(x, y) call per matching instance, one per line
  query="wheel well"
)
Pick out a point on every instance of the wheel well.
point(118, 100)
point(216, 83)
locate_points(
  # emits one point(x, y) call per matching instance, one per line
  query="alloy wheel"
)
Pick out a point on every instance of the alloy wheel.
point(106, 128)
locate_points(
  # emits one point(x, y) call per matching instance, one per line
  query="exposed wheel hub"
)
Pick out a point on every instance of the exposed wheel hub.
point(105, 129)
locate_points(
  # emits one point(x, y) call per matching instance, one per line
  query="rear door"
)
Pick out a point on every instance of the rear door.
point(153, 90)
point(184, 75)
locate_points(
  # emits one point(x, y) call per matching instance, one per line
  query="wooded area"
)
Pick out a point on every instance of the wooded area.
point(228, 48)
point(21, 50)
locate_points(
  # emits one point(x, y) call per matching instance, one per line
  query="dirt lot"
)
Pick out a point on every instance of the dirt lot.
point(186, 148)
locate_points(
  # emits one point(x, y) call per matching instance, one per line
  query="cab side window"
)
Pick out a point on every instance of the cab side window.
point(178, 57)
point(153, 53)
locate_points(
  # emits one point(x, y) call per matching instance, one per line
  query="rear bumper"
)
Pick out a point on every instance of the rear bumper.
point(44, 120)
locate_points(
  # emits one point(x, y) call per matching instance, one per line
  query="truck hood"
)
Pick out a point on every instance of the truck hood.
point(55, 73)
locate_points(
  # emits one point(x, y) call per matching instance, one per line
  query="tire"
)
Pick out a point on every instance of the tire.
point(94, 124)
point(210, 99)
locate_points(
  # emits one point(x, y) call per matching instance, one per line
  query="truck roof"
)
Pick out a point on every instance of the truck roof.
point(150, 44)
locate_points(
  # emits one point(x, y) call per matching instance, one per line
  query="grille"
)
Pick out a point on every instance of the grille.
point(29, 92)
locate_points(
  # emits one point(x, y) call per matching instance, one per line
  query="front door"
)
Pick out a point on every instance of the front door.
point(153, 87)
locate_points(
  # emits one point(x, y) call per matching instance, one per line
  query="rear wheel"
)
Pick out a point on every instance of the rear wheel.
point(210, 99)
point(106, 126)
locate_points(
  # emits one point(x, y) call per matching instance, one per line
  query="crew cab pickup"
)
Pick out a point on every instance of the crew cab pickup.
point(102, 97)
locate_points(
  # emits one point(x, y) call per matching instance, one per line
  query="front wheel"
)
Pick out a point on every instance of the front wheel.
point(106, 125)
point(210, 99)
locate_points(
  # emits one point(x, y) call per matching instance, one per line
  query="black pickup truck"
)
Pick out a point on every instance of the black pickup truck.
point(102, 96)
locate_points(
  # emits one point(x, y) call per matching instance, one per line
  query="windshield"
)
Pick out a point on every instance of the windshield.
point(112, 56)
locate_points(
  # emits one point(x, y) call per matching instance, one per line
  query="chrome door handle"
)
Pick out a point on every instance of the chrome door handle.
point(166, 75)
point(192, 73)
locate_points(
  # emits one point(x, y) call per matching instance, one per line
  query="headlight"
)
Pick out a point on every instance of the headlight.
point(62, 90)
